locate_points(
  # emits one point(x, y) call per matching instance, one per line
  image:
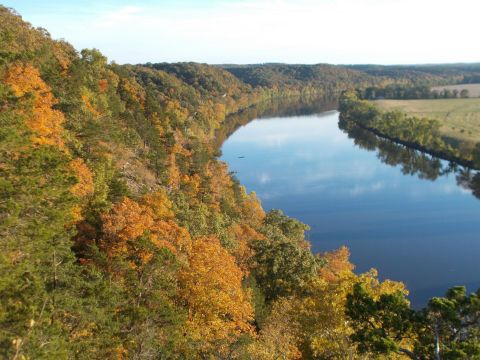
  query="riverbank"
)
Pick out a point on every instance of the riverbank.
point(459, 118)
point(423, 133)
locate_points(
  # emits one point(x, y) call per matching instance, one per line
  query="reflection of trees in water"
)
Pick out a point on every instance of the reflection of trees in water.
point(411, 161)
point(469, 180)
point(283, 107)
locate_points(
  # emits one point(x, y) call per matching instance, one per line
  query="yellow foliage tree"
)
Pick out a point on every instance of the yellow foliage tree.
point(135, 91)
point(211, 287)
point(220, 182)
point(160, 204)
point(279, 337)
point(244, 235)
point(175, 111)
point(317, 321)
point(86, 98)
point(168, 234)
point(251, 209)
point(191, 185)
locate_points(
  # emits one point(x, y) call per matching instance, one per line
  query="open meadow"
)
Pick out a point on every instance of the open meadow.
point(460, 118)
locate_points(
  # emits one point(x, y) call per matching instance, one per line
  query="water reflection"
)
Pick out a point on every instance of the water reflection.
point(411, 161)
point(410, 215)
point(470, 180)
point(286, 107)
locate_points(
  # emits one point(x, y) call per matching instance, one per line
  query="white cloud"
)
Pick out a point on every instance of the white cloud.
point(264, 178)
point(358, 190)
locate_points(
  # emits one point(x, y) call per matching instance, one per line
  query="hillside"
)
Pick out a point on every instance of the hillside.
point(123, 236)
point(322, 76)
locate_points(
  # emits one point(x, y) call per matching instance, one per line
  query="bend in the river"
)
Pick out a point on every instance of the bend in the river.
point(411, 216)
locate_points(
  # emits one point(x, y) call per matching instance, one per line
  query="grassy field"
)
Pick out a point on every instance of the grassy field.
point(473, 89)
point(460, 118)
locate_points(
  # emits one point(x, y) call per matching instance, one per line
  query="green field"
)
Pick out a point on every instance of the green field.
point(460, 118)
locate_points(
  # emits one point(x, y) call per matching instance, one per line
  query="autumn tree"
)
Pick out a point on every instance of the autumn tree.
point(151, 220)
point(219, 309)
point(37, 99)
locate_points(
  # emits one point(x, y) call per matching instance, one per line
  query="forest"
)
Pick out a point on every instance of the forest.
point(124, 237)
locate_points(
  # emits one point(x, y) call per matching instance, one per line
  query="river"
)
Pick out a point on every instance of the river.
point(412, 217)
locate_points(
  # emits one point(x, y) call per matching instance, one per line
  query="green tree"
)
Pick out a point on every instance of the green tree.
point(380, 326)
point(283, 263)
point(448, 328)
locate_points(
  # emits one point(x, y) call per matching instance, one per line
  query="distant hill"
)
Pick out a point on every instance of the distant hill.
point(435, 74)
point(296, 76)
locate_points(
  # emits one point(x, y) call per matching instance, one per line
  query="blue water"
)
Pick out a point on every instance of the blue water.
point(422, 232)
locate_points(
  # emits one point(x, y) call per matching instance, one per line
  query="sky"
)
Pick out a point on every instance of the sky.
point(259, 31)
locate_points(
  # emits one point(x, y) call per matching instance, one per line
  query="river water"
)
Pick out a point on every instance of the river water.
point(412, 217)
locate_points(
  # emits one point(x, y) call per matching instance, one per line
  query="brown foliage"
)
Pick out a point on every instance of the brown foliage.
point(103, 85)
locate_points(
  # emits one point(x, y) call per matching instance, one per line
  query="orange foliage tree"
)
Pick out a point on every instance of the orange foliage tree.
point(174, 174)
point(338, 265)
point(84, 187)
point(41, 118)
point(36, 106)
point(159, 204)
point(128, 220)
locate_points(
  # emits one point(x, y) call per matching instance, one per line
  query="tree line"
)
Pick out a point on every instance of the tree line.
point(409, 92)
